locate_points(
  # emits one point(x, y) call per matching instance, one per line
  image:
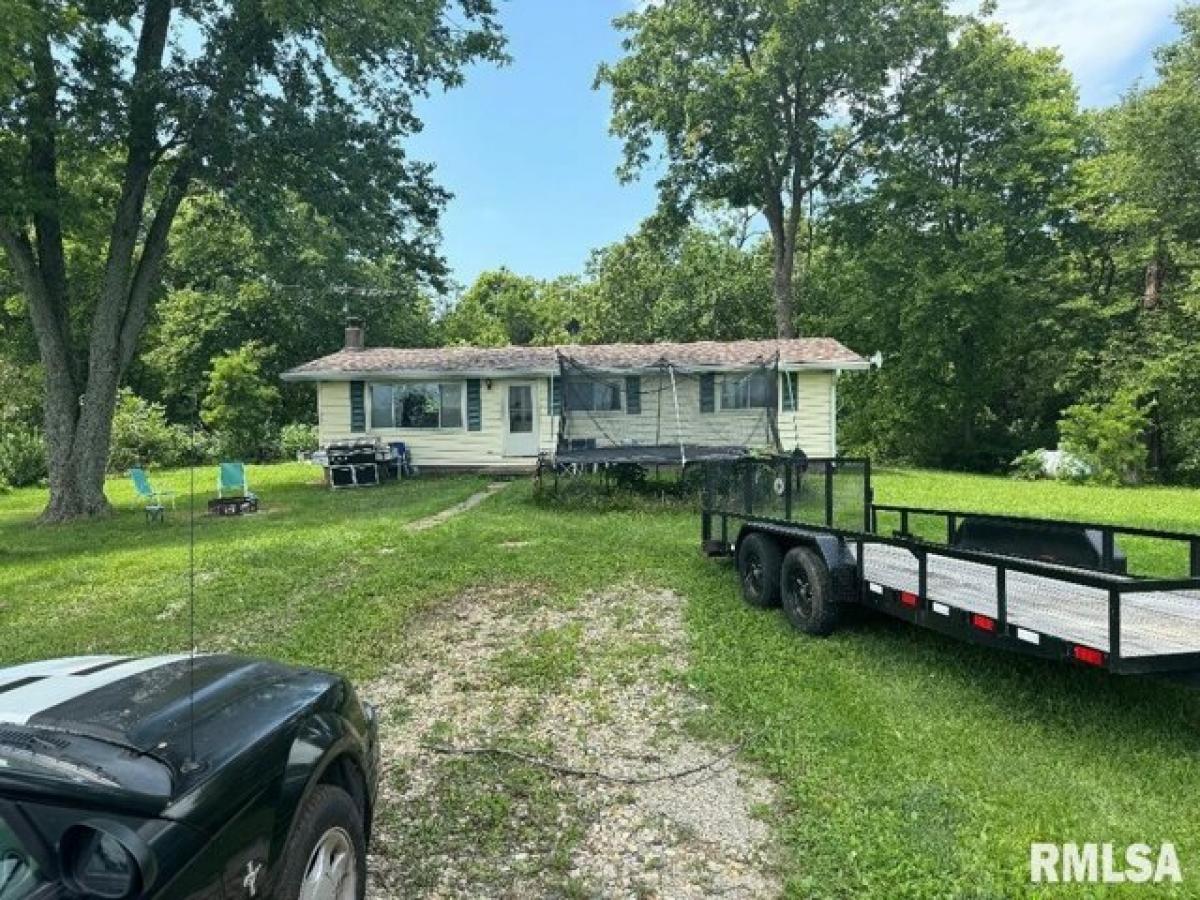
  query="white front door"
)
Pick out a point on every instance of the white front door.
point(520, 421)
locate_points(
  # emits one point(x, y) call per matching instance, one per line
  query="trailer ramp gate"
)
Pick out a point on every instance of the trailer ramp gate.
point(1100, 616)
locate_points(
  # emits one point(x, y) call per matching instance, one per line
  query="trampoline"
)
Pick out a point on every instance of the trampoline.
point(663, 411)
point(661, 455)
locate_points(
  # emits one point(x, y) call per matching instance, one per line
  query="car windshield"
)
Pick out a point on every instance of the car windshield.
point(19, 875)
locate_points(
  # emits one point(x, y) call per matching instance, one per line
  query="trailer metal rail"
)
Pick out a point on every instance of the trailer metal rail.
point(1094, 616)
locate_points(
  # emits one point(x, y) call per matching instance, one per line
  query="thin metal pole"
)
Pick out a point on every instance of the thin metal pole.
point(1001, 598)
point(829, 494)
point(787, 489)
point(868, 499)
point(1114, 623)
point(190, 763)
point(678, 421)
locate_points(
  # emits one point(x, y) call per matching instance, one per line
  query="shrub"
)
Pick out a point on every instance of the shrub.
point(1107, 437)
point(142, 436)
point(240, 402)
point(1029, 466)
point(297, 438)
point(22, 455)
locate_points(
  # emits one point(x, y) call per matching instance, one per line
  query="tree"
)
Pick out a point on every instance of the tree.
point(225, 281)
point(698, 284)
point(949, 260)
point(239, 403)
point(503, 308)
point(1135, 242)
point(112, 112)
point(763, 103)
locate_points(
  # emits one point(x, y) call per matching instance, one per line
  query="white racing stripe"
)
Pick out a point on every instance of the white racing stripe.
point(47, 667)
point(56, 684)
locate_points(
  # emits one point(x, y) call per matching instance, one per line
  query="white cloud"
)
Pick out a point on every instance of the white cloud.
point(1103, 42)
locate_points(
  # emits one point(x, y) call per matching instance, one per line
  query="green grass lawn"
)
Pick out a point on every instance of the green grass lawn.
point(910, 765)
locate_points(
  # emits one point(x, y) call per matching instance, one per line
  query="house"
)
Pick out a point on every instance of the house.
point(500, 408)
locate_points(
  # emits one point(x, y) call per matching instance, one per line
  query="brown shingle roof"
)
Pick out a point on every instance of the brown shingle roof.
point(798, 352)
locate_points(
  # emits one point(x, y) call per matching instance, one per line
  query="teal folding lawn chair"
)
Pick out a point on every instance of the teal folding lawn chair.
point(231, 482)
point(155, 501)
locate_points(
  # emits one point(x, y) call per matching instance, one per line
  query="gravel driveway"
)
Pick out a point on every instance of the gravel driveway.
point(504, 690)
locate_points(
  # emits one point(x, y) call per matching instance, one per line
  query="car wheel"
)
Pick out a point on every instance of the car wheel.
point(758, 563)
point(326, 855)
point(806, 591)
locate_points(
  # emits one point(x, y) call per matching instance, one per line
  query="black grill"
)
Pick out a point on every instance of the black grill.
point(352, 453)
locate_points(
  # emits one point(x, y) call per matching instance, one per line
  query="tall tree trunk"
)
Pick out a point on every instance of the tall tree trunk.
point(1156, 273)
point(782, 287)
point(79, 402)
point(783, 261)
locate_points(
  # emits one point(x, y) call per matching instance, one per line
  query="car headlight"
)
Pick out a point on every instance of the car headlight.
point(105, 860)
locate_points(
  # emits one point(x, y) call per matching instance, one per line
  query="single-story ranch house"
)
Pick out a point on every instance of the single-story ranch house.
point(500, 408)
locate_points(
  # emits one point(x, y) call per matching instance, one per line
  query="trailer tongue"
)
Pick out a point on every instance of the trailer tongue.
point(807, 535)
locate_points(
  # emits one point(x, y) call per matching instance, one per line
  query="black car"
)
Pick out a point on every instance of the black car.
point(167, 777)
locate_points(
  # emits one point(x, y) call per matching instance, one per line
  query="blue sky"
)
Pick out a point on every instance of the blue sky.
point(527, 153)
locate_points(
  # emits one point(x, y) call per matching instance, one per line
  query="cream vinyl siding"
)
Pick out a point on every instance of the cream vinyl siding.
point(439, 447)
point(809, 428)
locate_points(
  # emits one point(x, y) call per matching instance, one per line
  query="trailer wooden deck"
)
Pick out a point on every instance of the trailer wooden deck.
point(1153, 623)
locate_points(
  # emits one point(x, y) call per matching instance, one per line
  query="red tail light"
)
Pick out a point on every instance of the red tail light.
point(983, 623)
point(912, 601)
point(1088, 656)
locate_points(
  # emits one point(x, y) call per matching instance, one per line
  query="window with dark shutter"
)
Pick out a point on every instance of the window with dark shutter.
point(633, 395)
point(790, 391)
point(474, 406)
point(358, 408)
point(707, 392)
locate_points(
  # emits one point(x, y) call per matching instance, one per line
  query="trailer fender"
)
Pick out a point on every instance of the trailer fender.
point(833, 550)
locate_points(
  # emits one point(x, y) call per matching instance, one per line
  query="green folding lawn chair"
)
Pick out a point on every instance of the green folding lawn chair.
point(231, 482)
point(155, 500)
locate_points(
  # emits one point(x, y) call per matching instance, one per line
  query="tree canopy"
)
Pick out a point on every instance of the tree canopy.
point(763, 103)
point(1028, 270)
point(111, 113)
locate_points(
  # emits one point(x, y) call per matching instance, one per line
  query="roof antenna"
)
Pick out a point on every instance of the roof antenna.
point(190, 764)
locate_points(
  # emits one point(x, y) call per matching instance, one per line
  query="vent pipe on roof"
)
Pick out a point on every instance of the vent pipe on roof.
point(355, 334)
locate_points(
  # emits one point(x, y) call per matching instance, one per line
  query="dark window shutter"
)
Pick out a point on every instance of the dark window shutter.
point(358, 409)
point(790, 390)
point(474, 406)
point(555, 396)
point(633, 395)
point(708, 390)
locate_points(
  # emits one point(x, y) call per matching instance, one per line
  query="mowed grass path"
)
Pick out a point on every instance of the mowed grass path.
point(910, 765)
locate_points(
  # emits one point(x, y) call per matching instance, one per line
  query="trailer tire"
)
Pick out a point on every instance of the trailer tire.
point(807, 592)
point(758, 563)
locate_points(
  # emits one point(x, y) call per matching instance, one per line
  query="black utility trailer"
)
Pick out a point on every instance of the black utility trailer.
point(807, 535)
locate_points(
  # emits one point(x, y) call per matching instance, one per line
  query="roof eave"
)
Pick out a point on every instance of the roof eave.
point(359, 375)
point(841, 365)
point(318, 375)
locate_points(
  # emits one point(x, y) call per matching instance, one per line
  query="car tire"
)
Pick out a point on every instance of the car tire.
point(327, 839)
point(807, 593)
point(758, 563)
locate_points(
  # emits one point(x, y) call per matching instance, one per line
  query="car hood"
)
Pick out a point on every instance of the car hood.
point(141, 717)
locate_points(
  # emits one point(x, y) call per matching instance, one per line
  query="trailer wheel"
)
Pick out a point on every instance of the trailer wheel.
point(806, 589)
point(758, 562)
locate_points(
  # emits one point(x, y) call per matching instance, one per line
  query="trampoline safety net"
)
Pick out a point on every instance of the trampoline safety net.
point(665, 413)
